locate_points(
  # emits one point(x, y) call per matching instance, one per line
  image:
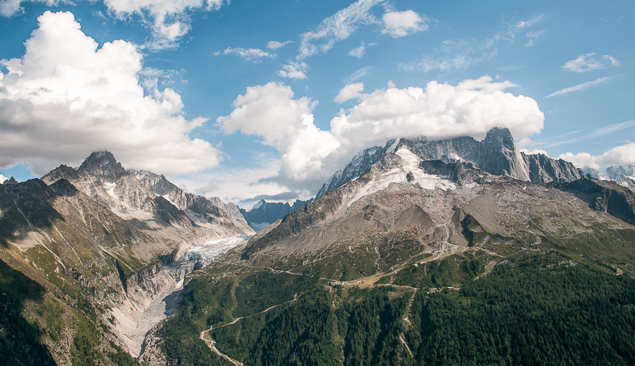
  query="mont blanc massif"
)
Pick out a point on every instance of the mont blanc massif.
point(438, 252)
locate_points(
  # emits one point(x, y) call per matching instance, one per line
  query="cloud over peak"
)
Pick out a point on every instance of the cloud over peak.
point(440, 110)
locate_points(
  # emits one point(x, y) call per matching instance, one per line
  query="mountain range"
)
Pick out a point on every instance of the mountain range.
point(453, 251)
point(266, 213)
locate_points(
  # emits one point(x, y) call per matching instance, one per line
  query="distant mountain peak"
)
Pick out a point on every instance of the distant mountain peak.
point(10, 181)
point(258, 205)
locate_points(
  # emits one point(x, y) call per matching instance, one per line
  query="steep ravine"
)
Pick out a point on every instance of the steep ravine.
point(154, 293)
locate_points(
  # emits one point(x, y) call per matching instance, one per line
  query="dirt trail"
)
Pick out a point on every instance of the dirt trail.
point(211, 343)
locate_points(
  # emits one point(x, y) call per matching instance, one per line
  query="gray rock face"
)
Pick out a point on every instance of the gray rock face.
point(543, 169)
point(497, 154)
point(150, 201)
point(202, 208)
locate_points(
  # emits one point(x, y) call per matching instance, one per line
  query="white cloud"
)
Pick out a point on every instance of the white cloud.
point(274, 45)
point(453, 56)
point(619, 155)
point(589, 62)
point(358, 74)
point(581, 160)
point(248, 54)
point(461, 54)
point(402, 23)
point(294, 70)
point(270, 111)
point(351, 91)
point(169, 18)
point(67, 97)
point(11, 7)
point(580, 87)
point(235, 184)
point(310, 155)
point(532, 36)
point(534, 152)
point(2, 178)
point(358, 51)
point(337, 27)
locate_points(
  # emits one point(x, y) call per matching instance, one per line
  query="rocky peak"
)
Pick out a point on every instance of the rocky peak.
point(10, 181)
point(497, 154)
point(102, 164)
point(158, 184)
point(61, 172)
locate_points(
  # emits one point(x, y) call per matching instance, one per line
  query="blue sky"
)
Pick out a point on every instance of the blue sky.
point(251, 99)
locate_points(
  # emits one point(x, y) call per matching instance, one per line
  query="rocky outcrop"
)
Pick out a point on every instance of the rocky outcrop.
point(543, 169)
point(151, 202)
point(497, 154)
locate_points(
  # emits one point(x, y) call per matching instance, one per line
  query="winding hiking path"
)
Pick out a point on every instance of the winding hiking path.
point(211, 343)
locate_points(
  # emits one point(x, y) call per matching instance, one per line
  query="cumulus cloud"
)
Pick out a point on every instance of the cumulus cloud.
point(294, 70)
point(270, 111)
point(581, 160)
point(274, 45)
point(402, 23)
point(589, 62)
point(2, 178)
point(310, 155)
point(337, 28)
point(619, 155)
point(249, 54)
point(580, 87)
point(351, 91)
point(67, 97)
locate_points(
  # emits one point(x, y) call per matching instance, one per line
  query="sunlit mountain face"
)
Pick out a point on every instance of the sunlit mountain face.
point(334, 182)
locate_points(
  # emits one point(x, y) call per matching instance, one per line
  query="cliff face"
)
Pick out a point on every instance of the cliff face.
point(497, 154)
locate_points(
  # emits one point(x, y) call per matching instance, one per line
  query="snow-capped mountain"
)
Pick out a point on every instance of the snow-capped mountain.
point(149, 201)
point(497, 154)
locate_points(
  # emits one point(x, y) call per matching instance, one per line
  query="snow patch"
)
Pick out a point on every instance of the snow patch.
point(410, 165)
point(393, 146)
point(110, 189)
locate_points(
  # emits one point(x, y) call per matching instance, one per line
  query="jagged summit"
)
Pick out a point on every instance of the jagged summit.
point(148, 199)
point(10, 181)
point(102, 164)
point(496, 154)
point(265, 213)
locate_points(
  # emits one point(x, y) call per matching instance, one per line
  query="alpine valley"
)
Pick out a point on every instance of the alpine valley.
point(446, 252)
